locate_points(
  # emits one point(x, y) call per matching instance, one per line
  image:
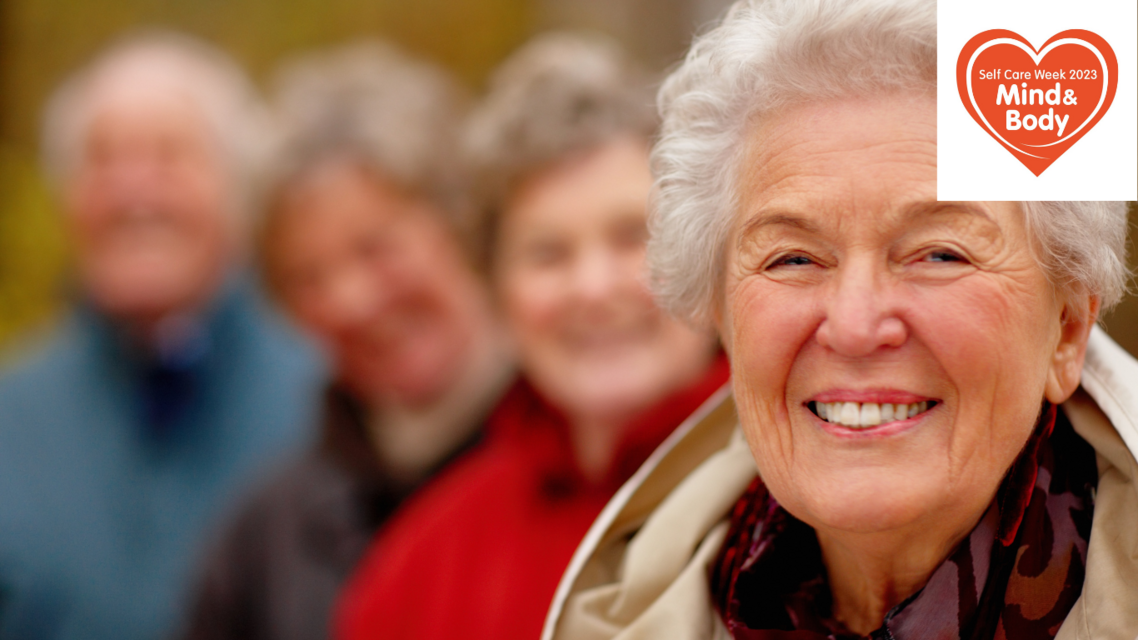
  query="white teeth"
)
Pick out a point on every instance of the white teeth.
point(870, 414)
point(867, 414)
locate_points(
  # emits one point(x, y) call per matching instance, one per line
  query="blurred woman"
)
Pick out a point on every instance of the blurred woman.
point(562, 143)
point(360, 243)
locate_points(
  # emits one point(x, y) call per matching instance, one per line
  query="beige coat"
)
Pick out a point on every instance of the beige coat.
point(641, 572)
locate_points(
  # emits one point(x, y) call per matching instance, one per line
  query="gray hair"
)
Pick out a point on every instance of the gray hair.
point(560, 94)
point(396, 115)
point(768, 55)
point(171, 63)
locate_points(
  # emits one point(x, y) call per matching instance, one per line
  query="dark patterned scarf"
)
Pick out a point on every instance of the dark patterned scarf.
point(1015, 577)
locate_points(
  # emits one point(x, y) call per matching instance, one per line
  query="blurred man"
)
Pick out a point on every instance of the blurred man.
point(169, 385)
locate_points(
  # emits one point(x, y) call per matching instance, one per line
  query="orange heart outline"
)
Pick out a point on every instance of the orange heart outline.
point(1037, 164)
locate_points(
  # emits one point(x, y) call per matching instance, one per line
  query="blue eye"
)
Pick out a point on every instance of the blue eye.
point(943, 256)
point(793, 261)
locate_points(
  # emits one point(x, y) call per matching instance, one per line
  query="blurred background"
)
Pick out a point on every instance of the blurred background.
point(43, 40)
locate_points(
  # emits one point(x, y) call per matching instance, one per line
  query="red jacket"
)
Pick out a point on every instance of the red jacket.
point(479, 554)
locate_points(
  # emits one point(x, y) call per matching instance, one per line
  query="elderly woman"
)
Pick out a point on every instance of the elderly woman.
point(562, 140)
point(170, 385)
point(361, 244)
point(927, 438)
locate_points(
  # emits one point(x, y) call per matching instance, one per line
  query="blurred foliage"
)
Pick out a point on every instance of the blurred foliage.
point(45, 39)
point(32, 247)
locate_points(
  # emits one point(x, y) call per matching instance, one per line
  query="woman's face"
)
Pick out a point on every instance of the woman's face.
point(569, 275)
point(849, 285)
point(374, 273)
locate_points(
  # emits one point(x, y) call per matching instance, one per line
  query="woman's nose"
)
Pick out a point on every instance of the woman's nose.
point(354, 297)
point(597, 275)
point(861, 314)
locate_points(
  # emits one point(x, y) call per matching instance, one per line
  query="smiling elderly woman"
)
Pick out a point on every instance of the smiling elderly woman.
point(943, 441)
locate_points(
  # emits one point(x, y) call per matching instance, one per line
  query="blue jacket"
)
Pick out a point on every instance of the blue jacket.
point(113, 471)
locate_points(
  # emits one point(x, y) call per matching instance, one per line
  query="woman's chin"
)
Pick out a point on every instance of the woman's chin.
point(863, 503)
point(605, 394)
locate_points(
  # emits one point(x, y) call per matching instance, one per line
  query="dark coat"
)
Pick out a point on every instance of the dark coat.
point(278, 567)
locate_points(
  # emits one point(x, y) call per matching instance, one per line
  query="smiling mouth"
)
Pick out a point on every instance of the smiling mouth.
point(860, 415)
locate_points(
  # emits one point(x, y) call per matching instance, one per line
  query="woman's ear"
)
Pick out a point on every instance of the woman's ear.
point(1066, 369)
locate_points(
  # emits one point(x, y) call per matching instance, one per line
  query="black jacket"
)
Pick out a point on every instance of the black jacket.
point(276, 571)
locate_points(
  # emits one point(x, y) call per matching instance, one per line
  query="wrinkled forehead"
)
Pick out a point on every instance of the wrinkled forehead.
point(857, 171)
point(838, 155)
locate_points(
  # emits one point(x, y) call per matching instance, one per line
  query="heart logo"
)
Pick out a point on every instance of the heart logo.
point(1037, 103)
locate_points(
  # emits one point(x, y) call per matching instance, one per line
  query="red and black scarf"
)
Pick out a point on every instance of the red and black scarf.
point(1015, 577)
